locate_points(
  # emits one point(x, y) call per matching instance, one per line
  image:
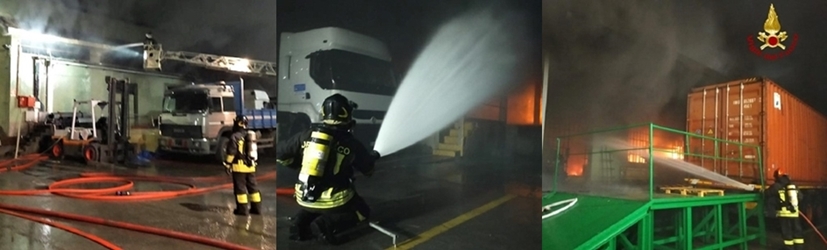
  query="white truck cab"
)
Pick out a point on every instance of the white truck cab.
point(317, 63)
point(197, 118)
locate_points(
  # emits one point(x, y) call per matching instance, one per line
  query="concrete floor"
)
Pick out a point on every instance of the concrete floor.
point(416, 197)
point(812, 241)
point(207, 215)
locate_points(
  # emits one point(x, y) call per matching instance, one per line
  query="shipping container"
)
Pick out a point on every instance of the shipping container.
point(792, 135)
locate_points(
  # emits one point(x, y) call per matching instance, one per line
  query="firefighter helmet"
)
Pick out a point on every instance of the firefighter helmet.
point(240, 122)
point(336, 110)
point(779, 173)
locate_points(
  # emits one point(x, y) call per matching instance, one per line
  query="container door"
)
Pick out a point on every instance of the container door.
point(702, 120)
point(742, 123)
point(734, 113)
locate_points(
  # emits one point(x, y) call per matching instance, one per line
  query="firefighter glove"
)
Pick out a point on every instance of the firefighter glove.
point(228, 168)
point(375, 154)
point(791, 208)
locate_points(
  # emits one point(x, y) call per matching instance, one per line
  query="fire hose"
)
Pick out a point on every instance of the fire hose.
point(814, 227)
point(65, 227)
point(105, 194)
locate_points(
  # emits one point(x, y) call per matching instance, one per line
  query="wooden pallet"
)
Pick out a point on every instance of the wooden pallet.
point(685, 191)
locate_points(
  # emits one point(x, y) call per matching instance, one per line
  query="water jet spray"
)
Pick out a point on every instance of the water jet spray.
point(469, 60)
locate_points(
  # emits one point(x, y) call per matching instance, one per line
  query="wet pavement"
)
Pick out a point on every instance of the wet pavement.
point(209, 215)
point(435, 203)
point(812, 241)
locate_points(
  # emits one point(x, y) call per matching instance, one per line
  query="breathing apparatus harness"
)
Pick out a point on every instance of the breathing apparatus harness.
point(250, 152)
point(319, 155)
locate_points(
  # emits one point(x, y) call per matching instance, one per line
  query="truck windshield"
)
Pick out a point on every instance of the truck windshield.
point(343, 70)
point(186, 102)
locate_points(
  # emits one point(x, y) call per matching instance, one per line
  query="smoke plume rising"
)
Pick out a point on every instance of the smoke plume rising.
point(220, 27)
point(622, 62)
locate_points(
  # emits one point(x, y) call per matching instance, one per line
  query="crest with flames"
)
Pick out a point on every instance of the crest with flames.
point(772, 36)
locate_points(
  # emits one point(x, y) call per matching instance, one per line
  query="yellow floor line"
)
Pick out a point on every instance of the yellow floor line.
point(427, 235)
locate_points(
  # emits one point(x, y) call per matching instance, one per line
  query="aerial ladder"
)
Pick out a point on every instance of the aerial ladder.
point(154, 54)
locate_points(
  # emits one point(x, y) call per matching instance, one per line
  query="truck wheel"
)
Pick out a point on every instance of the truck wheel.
point(221, 148)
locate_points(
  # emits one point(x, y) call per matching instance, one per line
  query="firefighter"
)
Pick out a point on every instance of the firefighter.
point(326, 156)
point(241, 163)
point(785, 197)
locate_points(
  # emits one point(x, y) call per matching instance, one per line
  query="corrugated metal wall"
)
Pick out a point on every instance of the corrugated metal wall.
point(794, 135)
point(759, 111)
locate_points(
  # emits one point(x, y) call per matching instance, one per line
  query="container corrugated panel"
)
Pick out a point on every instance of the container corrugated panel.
point(758, 111)
point(261, 118)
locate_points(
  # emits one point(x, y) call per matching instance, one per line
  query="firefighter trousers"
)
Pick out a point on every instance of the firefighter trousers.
point(792, 233)
point(244, 185)
point(325, 224)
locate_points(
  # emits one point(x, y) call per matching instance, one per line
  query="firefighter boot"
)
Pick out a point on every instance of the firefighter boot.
point(241, 209)
point(255, 208)
point(323, 230)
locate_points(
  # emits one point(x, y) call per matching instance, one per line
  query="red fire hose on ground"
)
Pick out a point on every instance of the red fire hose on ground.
point(65, 227)
point(106, 194)
point(814, 227)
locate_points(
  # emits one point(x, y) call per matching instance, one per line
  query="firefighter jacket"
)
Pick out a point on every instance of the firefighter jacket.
point(348, 154)
point(237, 154)
point(785, 205)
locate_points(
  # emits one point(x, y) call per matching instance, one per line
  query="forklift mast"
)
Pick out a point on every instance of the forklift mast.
point(118, 120)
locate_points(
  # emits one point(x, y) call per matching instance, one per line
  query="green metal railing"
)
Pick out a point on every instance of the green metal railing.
point(664, 221)
point(651, 149)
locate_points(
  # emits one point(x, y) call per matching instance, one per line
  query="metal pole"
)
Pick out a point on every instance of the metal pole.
point(124, 124)
point(651, 163)
point(17, 147)
point(46, 103)
point(703, 129)
point(17, 73)
point(544, 101)
point(35, 78)
point(74, 119)
point(384, 231)
point(556, 166)
point(741, 135)
point(716, 163)
point(17, 93)
point(112, 120)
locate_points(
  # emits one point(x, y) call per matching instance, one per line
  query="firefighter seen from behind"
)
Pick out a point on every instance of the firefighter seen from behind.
point(241, 161)
point(326, 156)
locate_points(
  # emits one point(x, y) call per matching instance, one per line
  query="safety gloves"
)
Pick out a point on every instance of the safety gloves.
point(228, 168)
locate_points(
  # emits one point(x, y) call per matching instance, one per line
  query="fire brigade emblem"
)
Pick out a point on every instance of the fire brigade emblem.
point(772, 36)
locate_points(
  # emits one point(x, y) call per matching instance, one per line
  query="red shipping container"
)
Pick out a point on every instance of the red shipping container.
point(793, 135)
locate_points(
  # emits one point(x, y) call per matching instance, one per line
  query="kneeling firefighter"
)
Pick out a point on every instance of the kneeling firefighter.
point(242, 157)
point(329, 154)
point(784, 197)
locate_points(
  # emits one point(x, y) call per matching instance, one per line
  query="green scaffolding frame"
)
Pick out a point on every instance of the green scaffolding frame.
point(675, 222)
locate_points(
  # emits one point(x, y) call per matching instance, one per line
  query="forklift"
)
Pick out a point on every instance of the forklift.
point(103, 139)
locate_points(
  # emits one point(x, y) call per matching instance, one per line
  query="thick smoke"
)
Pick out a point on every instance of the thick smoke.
point(245, 30)
point(220, 27)
point(622, 62)
point(47, 16)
